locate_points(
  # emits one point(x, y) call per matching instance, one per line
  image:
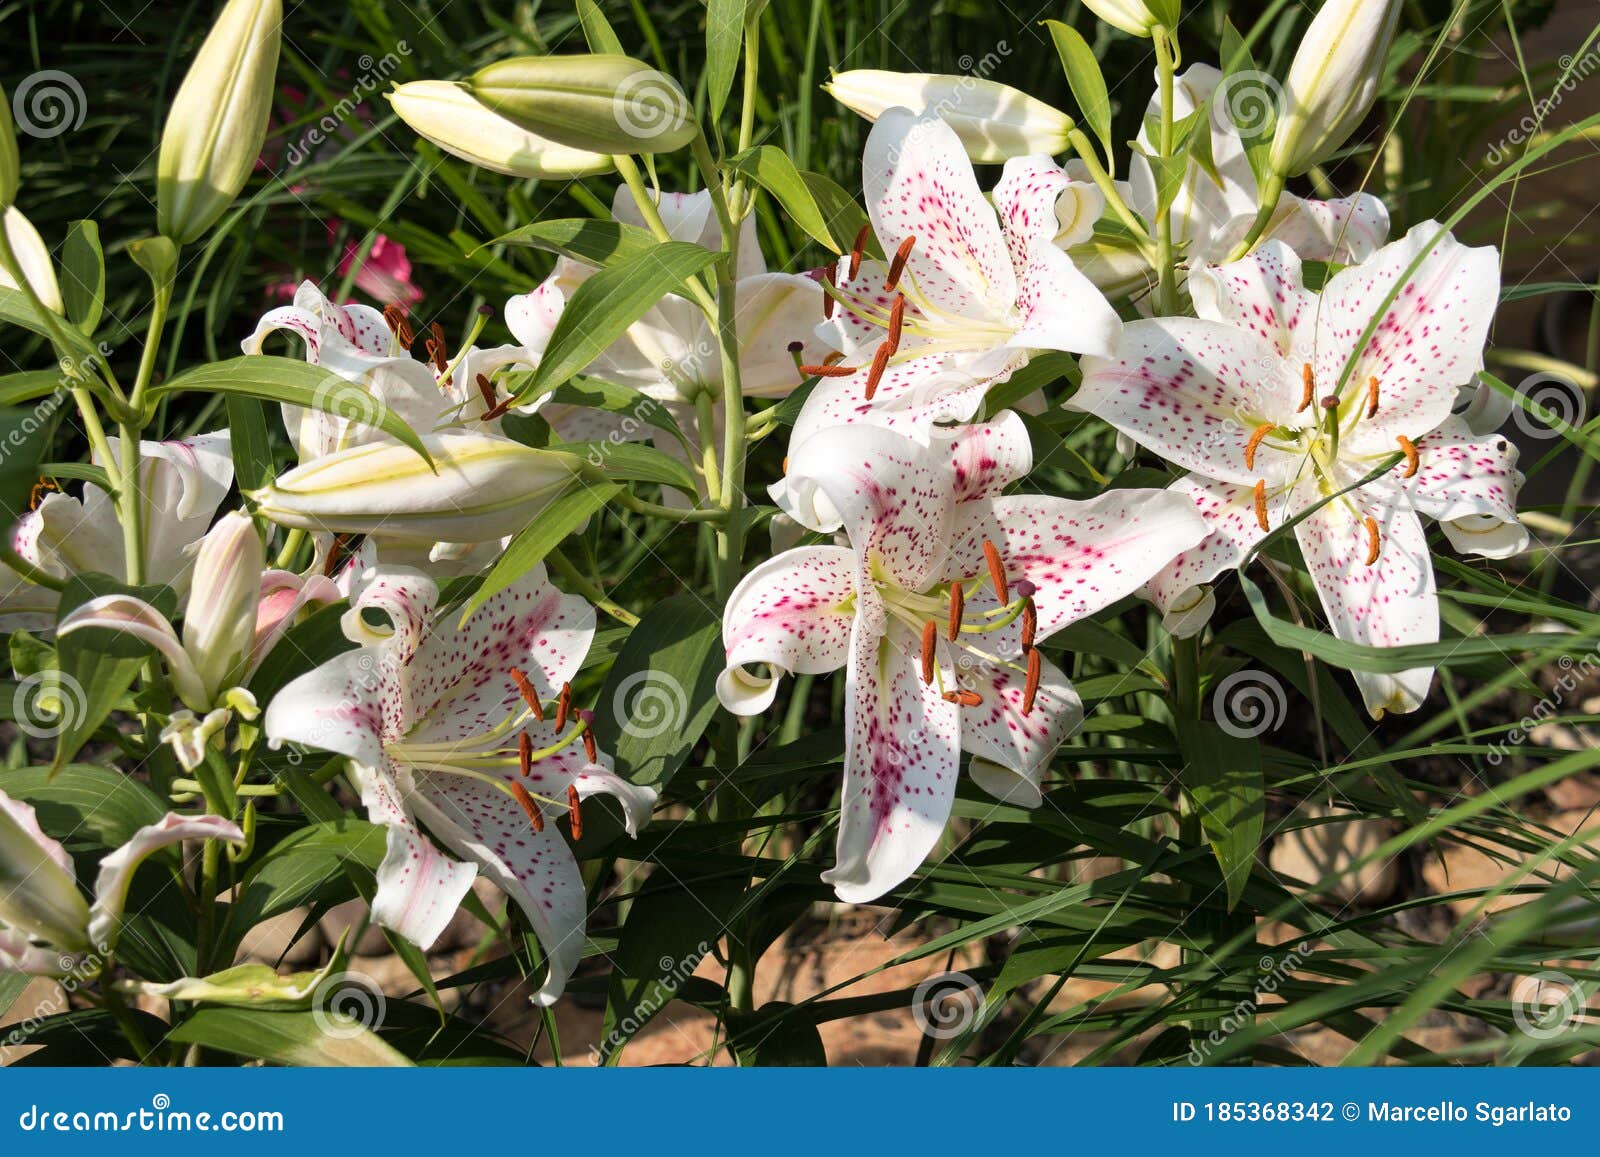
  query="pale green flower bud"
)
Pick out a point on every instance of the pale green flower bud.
point(1333, 81)
point(447, 114)
point(485, 487)
point(994, 121)
point(1136, 17)
point(598, 103)
point(33, 259)
point(218, 120)
point(220, 624)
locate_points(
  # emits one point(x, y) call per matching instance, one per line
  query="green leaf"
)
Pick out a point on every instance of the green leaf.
point(289, 1038)
point(614, 399)
point(86, 805)
point(724, 36)
point(1087, 82)
point(29, 386)
point(251, 442)
point(605, 305)
point(83, 275)
point(662, 690)
point(582, 239)
point(597, 29)
point(636, 462)
point(308, 866)
point(671, 925)
point(24, 436)
point(771, 1038)
point(297, 383)
point(1222, 774)
point(98, 664)
point(827, 219)
point(540, 537)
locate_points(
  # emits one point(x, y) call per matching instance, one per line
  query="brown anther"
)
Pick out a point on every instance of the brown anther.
point(785, 465)
point(834, 358)
point(529, 693)
point(1030, 689)
point(563, 707)
point(958, 604)
point(827, 296)
point(1373, 541)
point(858, 251)
point(335, 554)
point(1030, 624)
point(526, 802)
point(930, 633)
point(963, 698)
point(898, 265)
point(897, 319)
point(491, 408)
point(394, 316)
point(1409, 449)
point(40, 489)
point(1310, 389)
point(436, 348)
point(997, 571)
point(1254, 444)
point(1261, 506)
point(880, 362)
point(590, 751)
point(827, 371)
point(524, 755)
point(575, 812)
point(1372, 397)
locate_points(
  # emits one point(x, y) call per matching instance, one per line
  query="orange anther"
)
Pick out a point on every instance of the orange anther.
point(880, 362)
point(1261, 505)
point(1373, 541)
point(1030, 689)
point(575, 812)
point(563, 707)
point(930, 632)
point(1372, 397)
point(958, 603)
point(997, 571)
point(1409, 449)
point(526, 802)
point(530, 694)
point(898, 265)
point(1310, 388)
point(1254, 444)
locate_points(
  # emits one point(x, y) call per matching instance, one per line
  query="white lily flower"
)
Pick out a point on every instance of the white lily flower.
point(182, 483)
point(1274, 403)
point(994, 121)
point(1135, 17)
point(432, 715)
point(46, 926)
point(967, 296)
point(1333, 81)
point(928, 527)
point(224, 636)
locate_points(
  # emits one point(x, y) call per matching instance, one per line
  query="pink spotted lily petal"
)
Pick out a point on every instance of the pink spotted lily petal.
point(901, 744)
point(792, 612)
point(1012, 750)
point(1469, 483)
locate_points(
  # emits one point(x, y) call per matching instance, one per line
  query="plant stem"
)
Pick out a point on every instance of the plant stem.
point(1102, 179)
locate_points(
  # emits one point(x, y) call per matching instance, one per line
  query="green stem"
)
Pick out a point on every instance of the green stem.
point(591, 591)
point(651, 213)
point(1102, 179)
point(118, 1009)
point(629, 501)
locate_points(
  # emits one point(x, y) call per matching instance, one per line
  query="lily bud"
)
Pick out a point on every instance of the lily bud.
point(994, 121)
point(33, 258)
point(1333, 81)
point(220, 625)
point(1136, 17)
point(39, 894)
point(486, 487)
point(218, 120)
point(449, 115)
point(10, 160)
point(597, 103)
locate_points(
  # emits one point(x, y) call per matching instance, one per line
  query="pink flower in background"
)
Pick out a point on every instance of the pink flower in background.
point(385, 275)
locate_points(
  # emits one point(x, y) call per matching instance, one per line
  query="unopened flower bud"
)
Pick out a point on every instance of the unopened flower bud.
point(599, 103)
point(994, 121)
point(1333, 81)
point(450, 116)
